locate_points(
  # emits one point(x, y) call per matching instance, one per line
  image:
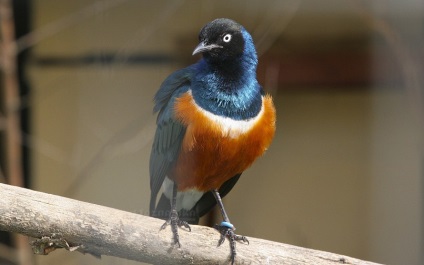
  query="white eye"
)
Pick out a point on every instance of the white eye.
point(227, 38)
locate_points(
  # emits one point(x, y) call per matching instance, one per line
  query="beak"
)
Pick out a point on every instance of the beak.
point(203, 47)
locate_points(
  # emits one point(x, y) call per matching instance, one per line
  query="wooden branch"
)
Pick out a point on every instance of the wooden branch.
point(12, 121)
point(60, 222)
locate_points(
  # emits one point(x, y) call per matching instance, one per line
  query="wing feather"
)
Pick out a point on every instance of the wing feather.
point(169, 132)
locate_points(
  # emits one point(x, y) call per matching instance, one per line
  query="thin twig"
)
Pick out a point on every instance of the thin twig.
point(126, 141)
point(411, 66)
point(141, 137)
point(68, 21)
point(279, 15)
point(12, 130)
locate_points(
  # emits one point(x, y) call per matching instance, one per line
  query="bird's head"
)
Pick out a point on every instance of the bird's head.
point(224, 39)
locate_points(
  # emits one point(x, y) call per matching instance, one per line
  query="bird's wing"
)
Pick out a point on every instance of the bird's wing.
point(169, 133)
point(208, 201)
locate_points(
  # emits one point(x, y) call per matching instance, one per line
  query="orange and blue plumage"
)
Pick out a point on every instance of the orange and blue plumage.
point(213, 121)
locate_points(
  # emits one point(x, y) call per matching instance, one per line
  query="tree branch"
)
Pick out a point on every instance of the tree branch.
point(60, 222)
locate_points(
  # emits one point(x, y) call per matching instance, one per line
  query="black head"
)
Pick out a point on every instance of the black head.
point(221, 39)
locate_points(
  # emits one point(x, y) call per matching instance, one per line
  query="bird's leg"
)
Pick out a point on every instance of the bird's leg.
point(173, 219)
point(226, 229)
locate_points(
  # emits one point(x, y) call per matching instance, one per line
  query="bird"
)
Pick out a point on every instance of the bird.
point(213, 121)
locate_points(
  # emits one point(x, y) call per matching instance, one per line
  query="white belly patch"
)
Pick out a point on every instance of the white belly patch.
point(185, 199)
point(230, 127)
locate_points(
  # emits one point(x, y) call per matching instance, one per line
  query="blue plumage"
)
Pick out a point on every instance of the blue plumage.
point(222, 83)
point(228, 87)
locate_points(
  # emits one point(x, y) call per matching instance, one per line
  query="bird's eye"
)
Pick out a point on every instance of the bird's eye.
point(227, 38)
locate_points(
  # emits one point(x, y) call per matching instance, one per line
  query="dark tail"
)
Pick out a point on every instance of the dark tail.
point(163, 209)
point(203, 206)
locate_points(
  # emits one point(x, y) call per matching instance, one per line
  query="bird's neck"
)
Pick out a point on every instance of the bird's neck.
point(228, 88)
point(230, 73)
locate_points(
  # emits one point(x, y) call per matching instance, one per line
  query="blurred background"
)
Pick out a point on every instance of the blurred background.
point(344, 173)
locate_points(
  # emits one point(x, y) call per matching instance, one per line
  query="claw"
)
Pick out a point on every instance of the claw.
point(175, 222)
point(226, 230)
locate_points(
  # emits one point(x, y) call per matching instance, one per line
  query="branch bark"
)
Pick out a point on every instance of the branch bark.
point(60, 222)
point(12, 122)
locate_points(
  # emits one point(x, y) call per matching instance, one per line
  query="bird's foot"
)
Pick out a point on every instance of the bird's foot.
point(226, 230)
point(175, 222)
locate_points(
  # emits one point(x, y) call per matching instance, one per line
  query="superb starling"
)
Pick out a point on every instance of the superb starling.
point(213, 121)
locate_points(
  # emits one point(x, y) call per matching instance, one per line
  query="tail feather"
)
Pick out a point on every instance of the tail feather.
point(204, 205)
point(163, 209)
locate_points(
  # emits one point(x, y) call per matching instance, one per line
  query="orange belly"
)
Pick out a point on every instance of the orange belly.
point(212, 151)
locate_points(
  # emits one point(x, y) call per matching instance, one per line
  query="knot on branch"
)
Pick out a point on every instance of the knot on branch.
point(47, 244)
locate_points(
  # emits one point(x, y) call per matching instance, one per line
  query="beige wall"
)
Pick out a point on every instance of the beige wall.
point(344, 173)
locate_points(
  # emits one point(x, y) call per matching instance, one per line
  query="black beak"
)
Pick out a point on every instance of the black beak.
point(203, 47)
